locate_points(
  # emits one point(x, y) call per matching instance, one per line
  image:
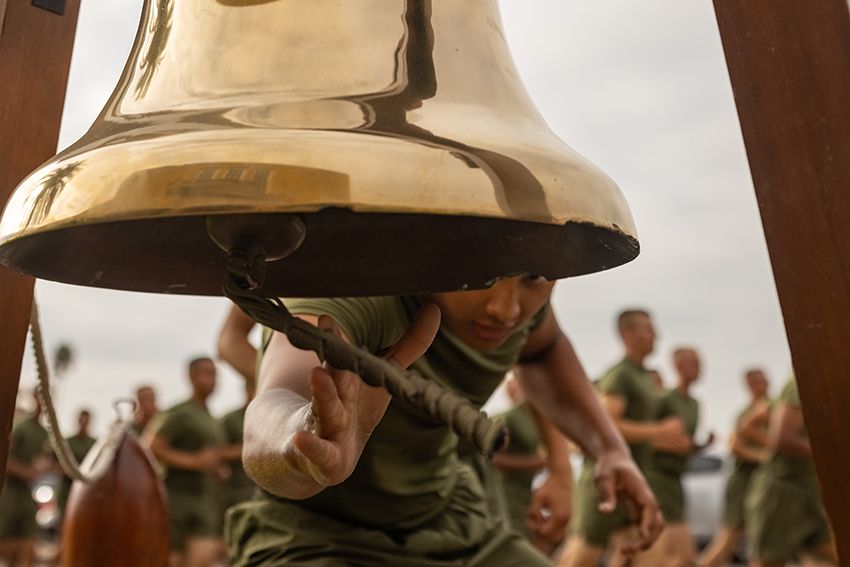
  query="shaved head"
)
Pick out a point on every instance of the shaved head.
point(629, 319)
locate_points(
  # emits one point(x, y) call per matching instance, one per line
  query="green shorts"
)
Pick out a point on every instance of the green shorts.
point(17, 513)
point(671, 499)
point(588, 522)
point(517, 492)
point(192, 514)
point(272, 533)
point(736, 491)
point(783, 519)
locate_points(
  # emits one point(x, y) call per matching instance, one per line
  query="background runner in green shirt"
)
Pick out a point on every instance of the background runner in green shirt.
point(630, 399)
point(187, 442)
point(146, 409)
point(784, 513)
point(675, 547)
point(80, 444)
point(367, 480)
point(749, 445)
point(29, 458)
point(520, 462)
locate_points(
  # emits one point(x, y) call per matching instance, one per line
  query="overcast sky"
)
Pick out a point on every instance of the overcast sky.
point(639, 88)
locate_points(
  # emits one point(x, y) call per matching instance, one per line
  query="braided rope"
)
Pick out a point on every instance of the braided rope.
point(66, 458)
point(439, 402)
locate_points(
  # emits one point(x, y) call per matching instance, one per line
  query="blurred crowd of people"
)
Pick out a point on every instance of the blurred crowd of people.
point(772, 496)
point(199, 458)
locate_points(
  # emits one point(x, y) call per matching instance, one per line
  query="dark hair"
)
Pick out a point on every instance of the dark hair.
point(626, 320)
point(196, 362)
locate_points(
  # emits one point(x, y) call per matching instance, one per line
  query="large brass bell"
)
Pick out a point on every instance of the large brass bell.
point(394, 137)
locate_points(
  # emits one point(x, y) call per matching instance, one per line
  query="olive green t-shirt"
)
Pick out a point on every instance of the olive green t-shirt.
point(801, 472)
point(232, 424)
point(631, 382)
point(524, 440)
point(740, 464)
point(189, 427)
point(675, 404)
point(80, 445)
point(409, 465)
point(29, 439)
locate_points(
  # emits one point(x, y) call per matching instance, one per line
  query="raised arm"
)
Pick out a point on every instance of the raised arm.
point(233, 345)
point(308, 425)
point(559, 387)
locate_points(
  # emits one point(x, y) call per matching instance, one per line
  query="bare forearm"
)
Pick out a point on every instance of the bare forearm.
point(518, 463)
point(269, 455)
point(636, 431)
point(557, 446)
point(233, 345)
point(19, 469)
point(173, 458)
point(231, 452)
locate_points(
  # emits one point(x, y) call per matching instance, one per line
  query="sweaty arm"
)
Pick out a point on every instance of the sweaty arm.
point(233, 345)
point(201, 461)
point(309, 423)
point(554, 381)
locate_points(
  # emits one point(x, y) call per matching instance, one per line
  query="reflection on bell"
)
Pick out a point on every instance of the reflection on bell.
point(397, 131)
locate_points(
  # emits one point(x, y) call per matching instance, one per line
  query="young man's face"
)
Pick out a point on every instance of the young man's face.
point(687, 364)
point(203, 377)
point(757, 383)
point(640, 335)
point(484, 319)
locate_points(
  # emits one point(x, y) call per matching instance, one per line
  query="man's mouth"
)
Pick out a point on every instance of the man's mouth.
point(490, 332)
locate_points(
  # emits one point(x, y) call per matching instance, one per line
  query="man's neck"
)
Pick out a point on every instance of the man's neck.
point(199, 400)
point(754, 401)
point(635, 356)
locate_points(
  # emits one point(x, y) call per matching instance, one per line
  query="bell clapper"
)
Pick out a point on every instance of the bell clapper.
point(246, 269)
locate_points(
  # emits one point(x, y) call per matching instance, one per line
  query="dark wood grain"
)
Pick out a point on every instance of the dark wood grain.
point(35, 55)
point(789, 63)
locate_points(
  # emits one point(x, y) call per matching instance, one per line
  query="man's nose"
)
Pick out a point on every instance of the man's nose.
point(503, 304)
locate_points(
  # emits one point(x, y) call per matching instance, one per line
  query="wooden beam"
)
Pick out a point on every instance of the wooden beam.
point(35, 57)
point(789, 63)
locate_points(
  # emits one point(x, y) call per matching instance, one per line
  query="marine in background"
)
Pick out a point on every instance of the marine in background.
point(630, 399)
point(783, 511)
point(187, 442)
point(80, 445)
point(675, 547)
point(749, 445)
point(29, 458)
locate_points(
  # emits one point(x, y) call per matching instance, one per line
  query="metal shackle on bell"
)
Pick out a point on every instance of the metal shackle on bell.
point(378, 146)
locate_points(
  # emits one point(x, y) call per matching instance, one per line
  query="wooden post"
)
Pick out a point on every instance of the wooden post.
point(789, 63)
point(35, 56)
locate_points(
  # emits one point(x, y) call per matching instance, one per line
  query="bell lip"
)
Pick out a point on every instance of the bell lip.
point(600, 248)
point(108, 181)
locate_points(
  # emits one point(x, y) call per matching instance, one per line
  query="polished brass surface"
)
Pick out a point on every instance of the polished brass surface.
point(398, 130)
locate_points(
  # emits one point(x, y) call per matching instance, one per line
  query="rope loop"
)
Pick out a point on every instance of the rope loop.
point(103, 460)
